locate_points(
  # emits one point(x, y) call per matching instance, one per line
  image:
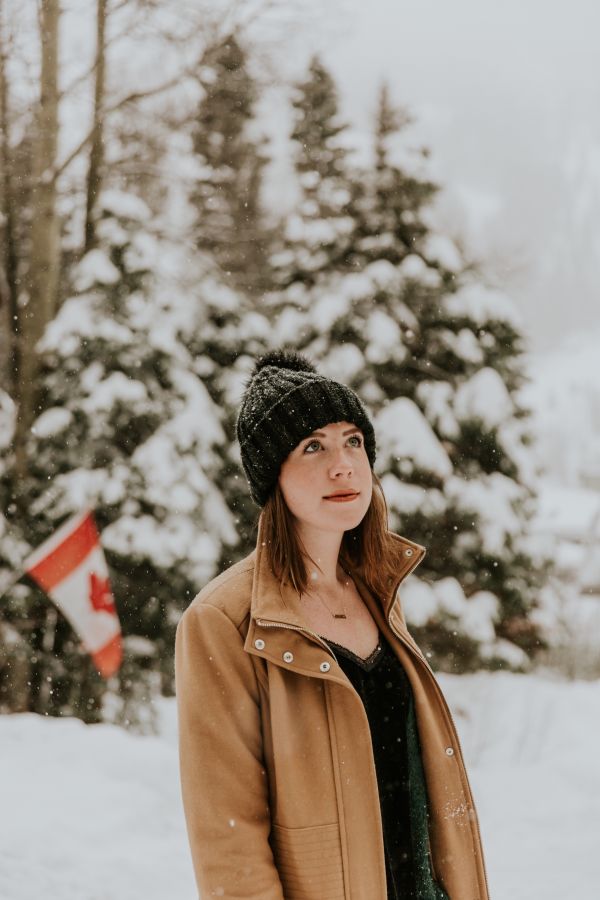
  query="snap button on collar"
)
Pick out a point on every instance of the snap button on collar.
point(449, 751)
point(408, 552)
point(259, 644)
point(288, 657)
point(325, 667)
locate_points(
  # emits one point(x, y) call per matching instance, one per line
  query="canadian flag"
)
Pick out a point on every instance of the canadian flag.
point(70, 567)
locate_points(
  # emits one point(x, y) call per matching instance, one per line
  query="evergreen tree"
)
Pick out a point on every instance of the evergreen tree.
point(436, 355)
point(319, 233)
point(233, 334)
point(129, 429)
point(390, 211)
point(228, 223)
point(227, 194)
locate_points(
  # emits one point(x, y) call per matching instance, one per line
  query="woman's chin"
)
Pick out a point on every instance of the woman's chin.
point(350, 515)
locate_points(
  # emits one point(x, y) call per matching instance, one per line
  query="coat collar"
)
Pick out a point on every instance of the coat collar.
point(274, 602)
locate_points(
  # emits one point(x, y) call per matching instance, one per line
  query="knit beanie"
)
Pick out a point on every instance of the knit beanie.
point(285, 400)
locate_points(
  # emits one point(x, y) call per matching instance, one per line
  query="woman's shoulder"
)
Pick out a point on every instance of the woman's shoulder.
point(230, 591)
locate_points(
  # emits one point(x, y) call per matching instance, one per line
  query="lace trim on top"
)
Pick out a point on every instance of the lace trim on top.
point(367, 663)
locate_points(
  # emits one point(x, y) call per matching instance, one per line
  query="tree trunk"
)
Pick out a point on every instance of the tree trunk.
point(9, 324)
point(42, 275)
point(94, 179)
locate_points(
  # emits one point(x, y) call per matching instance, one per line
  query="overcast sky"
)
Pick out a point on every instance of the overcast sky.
point(507, 97)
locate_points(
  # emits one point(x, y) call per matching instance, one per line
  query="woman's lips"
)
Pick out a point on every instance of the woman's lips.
point(342, 499)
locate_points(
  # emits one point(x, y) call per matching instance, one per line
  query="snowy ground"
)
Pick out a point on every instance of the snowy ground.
point(93, 812)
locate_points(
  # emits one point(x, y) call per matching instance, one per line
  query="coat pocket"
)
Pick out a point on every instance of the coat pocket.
point(309, 861)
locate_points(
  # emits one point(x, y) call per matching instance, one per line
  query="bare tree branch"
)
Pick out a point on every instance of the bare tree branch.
point(130, 98)
point(108, 42)
point(237, 17)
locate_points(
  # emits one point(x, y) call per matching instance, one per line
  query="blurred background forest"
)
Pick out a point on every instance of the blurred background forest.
point(144, 264)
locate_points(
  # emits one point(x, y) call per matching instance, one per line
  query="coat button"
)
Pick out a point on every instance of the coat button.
point(408, 552)
point(325, 667)
point(259, 644)
point(288, 657)
point(449, 751)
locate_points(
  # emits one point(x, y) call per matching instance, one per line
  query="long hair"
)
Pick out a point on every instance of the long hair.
point(368, 548)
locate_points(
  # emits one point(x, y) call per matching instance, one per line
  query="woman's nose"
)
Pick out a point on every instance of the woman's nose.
point(342, 461)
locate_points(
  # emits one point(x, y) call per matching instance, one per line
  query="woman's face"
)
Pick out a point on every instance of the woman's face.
point(331, 459)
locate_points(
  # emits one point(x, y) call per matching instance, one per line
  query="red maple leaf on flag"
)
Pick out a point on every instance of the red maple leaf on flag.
point(100, 594)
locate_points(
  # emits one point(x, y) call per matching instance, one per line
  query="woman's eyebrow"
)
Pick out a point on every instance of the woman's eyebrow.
point(344, 433)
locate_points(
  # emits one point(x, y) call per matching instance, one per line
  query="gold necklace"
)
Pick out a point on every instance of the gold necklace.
point(333, 614)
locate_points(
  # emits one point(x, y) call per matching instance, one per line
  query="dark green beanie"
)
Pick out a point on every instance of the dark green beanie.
point(285, 400)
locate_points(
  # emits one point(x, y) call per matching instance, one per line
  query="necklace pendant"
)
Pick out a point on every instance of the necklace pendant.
point(339, 615)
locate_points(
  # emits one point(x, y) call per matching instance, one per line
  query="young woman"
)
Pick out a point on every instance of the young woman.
point(318, 757)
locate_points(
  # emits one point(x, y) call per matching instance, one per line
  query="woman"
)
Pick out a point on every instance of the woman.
point(318, 757)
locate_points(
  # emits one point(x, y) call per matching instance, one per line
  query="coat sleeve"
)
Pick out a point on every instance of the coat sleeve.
point(223, 779)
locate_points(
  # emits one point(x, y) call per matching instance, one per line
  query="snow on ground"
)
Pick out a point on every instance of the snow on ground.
point(94, 812)
point(529, 746)
point(90, 813)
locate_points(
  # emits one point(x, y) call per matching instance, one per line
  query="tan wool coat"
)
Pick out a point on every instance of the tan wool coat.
point(277, 772)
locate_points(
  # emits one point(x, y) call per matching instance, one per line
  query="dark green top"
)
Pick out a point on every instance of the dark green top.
point(384, 688)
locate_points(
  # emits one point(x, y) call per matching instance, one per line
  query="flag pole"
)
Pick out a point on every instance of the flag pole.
point(48, 646)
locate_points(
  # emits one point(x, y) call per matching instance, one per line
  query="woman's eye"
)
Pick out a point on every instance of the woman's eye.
point(310, 445)
point(353, 437)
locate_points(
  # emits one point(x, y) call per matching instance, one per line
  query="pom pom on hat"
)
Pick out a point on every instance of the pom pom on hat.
point(283, 359)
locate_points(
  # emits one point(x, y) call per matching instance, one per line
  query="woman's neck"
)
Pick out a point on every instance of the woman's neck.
point(320, 551)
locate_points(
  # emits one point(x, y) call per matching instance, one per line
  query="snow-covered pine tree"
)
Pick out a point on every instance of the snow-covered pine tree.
point(319, 232)
point(211, 209)
point(129, 429)
point(390, 210)
point(408, 325)
point(462, 371)
point(233, 333)
point(227, 193)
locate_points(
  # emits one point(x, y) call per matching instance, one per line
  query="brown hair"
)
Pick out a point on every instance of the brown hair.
point(368, 548)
